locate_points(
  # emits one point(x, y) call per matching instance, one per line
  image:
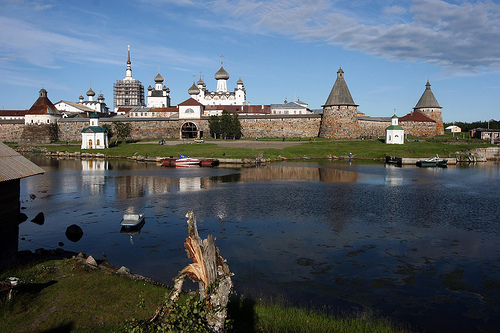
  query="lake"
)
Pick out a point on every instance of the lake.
point(420, 245)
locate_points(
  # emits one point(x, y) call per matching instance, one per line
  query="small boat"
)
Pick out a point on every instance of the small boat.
point(433, 162)
point(186, 161)
point(132, 220)
point(393, 160)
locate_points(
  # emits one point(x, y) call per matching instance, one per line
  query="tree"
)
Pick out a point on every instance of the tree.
point(109, 129)
point(121, 130)
point(214, 126)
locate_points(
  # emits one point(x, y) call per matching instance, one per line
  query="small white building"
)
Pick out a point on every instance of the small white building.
point(94, 136)
point(394, 134)
point(453, 129)
point(292, 108)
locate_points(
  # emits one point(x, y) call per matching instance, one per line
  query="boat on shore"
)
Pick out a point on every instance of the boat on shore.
point(433, 162)
point(130, 221)
point(393, 160)
point(186, 161)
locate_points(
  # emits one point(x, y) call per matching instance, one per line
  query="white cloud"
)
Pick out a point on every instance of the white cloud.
point(460, 36)
point(394, 10)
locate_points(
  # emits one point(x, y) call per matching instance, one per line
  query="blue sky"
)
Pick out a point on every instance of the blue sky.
point(280, 48)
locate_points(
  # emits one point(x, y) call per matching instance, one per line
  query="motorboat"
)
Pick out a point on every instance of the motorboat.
point(186, 161)
point(433, 162)
point(132, 220)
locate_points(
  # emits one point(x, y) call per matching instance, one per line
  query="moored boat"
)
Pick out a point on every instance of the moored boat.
point(186, 161)
point(393, 160)
point(433, 162)
point(132, 220)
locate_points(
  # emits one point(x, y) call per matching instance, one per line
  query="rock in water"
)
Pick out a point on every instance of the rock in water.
point(39, 219)
point(74, 233)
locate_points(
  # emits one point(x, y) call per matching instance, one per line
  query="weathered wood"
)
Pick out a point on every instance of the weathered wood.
point(210, 270)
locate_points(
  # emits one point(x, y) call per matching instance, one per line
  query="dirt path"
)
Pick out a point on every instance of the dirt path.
point(249, 144)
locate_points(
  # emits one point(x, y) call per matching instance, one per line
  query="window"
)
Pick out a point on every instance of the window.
point(98, 142)
point(90, 143)
point(189, 110)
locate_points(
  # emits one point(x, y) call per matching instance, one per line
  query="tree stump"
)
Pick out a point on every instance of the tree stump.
point(211, 272)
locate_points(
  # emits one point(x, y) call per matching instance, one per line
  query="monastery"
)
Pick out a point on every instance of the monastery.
point(189, 119)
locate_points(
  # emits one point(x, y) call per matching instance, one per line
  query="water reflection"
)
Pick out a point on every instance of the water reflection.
point(415, 244)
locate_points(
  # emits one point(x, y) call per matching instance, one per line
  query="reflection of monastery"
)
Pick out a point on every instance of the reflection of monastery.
point(189, 119)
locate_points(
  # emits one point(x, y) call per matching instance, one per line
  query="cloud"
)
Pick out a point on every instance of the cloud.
point(394, 10)
point(461, 36)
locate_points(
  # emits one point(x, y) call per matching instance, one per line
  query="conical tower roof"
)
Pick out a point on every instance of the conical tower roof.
point(340, 94)
point(427, 100)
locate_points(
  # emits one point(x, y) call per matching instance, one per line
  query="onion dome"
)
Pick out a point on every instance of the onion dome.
point(90, 92)
point(240, 81)
point(222, 74)
point(158, 78)
point(193, 90)
point(150, 88)
point(100, 98)
point(165, 88)
point(200, 82)
point(80, 98)
point(94, 115)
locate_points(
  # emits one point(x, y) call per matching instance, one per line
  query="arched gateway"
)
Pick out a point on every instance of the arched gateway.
point(189, 130)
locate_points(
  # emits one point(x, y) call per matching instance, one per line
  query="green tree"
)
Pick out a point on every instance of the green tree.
point(109, 129)
point(214, 126)
point(121, 130)
point(225, 126)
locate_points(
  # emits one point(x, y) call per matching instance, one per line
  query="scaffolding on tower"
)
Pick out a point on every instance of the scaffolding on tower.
point(128, 93)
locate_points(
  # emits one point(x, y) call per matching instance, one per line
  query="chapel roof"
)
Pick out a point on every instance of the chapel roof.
point(221, 74)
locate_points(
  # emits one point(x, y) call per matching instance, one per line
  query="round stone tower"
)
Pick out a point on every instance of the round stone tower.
point(340, 113)
point(429, 106)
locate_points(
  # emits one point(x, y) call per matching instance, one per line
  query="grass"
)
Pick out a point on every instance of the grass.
point(319, 148)
point(68, 296)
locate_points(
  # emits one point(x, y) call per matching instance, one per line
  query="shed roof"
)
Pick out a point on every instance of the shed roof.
point(15, 166)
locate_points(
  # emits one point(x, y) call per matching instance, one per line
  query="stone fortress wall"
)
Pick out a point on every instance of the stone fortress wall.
point(288, 126)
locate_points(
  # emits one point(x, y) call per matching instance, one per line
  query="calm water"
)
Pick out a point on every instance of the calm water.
point(419, 245)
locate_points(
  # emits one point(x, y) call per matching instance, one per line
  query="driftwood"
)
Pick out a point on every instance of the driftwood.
point(211, 272)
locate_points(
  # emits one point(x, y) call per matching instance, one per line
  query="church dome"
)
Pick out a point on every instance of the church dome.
point(90, 92)
point(193, 90)
point(200, 82)
point(100, 97)
point(222, 74)
point(150, 88)
point(240, 81)
point(158, 78)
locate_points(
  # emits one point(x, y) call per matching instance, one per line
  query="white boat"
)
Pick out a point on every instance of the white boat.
point(185, 160)
point(132, 220)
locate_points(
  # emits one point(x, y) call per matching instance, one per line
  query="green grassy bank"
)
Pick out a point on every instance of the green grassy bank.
point(445, 146)
point(66, 295)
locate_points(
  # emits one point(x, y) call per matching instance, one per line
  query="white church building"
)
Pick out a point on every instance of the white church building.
point(94, 136)
point(394, 134)
point(221, 96)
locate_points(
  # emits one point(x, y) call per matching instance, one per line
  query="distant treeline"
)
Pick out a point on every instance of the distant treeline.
point(466, 127)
